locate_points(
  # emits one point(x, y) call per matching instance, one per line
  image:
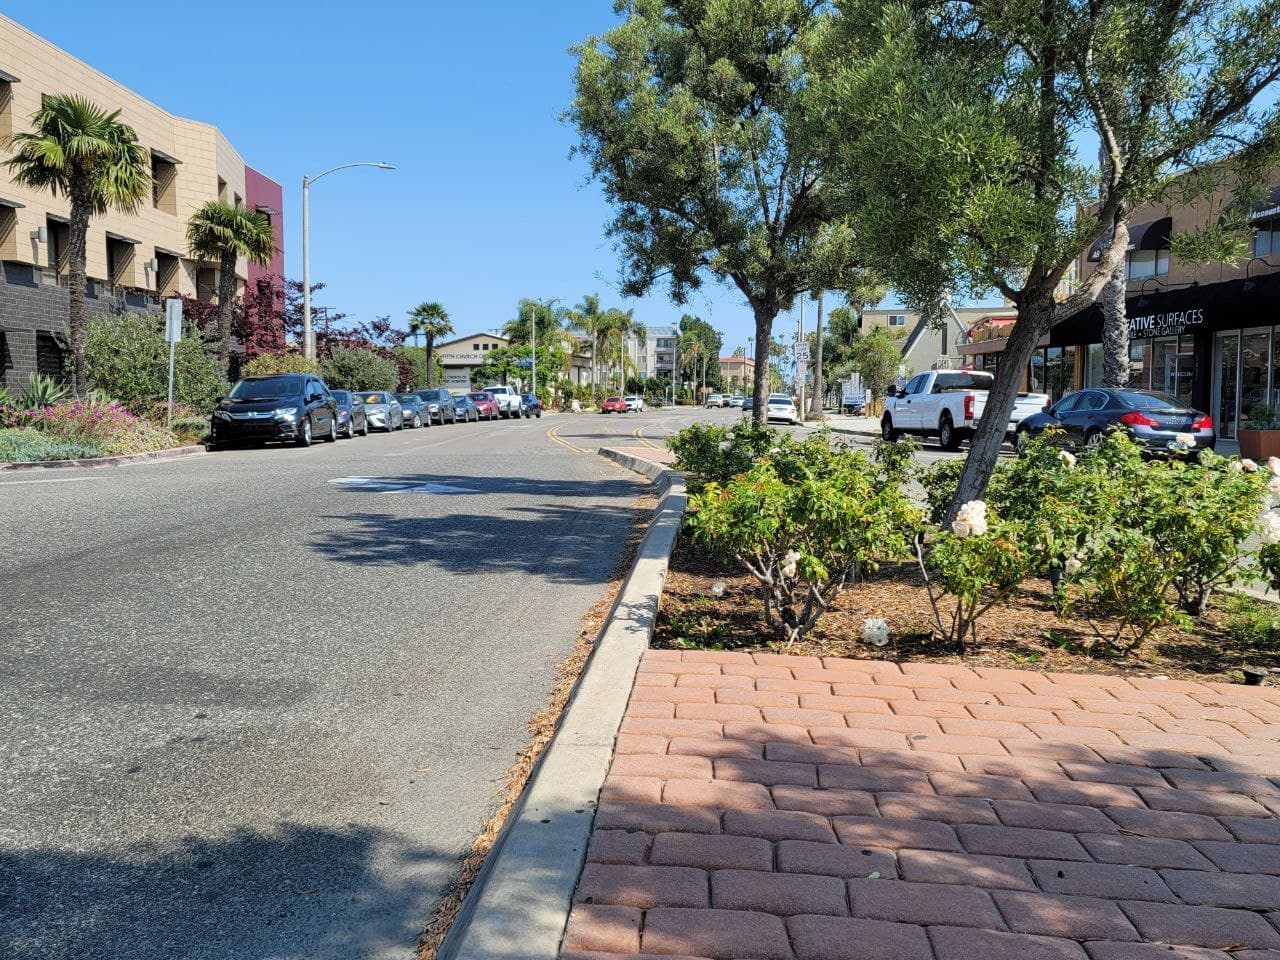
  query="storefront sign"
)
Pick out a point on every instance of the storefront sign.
point(1165, 324)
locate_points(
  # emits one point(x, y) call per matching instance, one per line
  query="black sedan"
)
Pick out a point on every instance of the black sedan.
point(1158, 422)
point(351, 415)
point(414, 410)
point(530, 405)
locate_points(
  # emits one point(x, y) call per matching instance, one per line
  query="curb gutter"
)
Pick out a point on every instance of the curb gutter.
point(520, 902)
point(120, 461)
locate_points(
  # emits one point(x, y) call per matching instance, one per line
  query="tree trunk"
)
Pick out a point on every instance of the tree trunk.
point(429, 360)
point(77, 316)
point(815, 403)
point(1115, 331)
point(764, 316)
point(226, 301)
point(1035, 317)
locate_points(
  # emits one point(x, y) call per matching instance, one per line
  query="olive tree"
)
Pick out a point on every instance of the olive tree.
point(959, 137)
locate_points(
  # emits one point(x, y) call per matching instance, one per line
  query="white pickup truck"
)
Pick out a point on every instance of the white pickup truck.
point(508, 400)
point(948, 404)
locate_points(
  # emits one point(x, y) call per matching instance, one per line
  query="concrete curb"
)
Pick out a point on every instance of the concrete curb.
point(120, 461)
point(520, 902)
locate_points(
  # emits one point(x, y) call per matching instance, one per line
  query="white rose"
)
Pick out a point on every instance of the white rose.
point(1185, 439)
point(1067, 457)
point(1273, 464)
point(1073, 566)
point(1274, 484)
point(1235, 466)
point(1269, 531)
point(1248, 466)
point(875, 631)
point(960, 527)
point(788, 567)
point(978, 526)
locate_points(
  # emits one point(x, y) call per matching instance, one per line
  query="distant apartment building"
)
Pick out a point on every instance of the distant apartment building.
point(134, 260)
point(738, 374)
point(462, 357)
point(654, 354)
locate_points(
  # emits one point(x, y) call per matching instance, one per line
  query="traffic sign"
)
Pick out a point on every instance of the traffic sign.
point(525, 364)
point(802, 352)
point(173, 320)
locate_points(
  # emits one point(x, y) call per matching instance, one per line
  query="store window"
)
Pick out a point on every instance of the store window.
point(1139, 364)
point(1093, 365)
point(897, 319)
point(1145, 264)
point(1255, 370)
point(1266, 241)
point(1059, 371)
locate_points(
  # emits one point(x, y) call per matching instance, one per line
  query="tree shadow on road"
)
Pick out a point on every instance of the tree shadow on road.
point(558, 543)
point(621, 487)
point(308, 893)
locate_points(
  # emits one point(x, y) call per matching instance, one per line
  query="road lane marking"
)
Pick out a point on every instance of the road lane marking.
point(638, 433)
point(554, 435)
point(393, 485)
point(18, 483)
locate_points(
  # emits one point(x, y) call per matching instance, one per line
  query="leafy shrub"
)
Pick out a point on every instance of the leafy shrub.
point(128, 361)
point(28, 445)
point(1250, 622)
point(6, 398)
point(976, 564)
point(713, 454)
point(268, 363)
point(806, 520)
point(348, 368)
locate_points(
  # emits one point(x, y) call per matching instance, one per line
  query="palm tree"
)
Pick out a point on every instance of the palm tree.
point(225, 233)
point(81, 151)
point(432, 321)
point(591, 319)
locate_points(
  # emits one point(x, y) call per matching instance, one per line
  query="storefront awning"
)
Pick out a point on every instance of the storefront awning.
point(168, 253)
point(1269, 207)
point(120, 238)
point(11, 204)
point(6, 77)
point(1152, 235)
point(162, 156)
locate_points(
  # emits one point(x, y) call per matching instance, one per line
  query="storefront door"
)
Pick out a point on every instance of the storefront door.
point(1226, 382)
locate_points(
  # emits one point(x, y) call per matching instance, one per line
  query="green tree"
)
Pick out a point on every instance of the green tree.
point(221, 232)
point(953, 135)
point(876, 358)
point(355, 368)
point(688, 113)
point(543, 315)
point(80, 151)
point(431, 320)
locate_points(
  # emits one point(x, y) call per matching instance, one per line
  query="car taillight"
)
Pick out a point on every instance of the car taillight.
point(968, 406)
point(1204, 423)
point(1136, 419)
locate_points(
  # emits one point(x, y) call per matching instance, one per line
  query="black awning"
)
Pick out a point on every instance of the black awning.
point(1168, 310)
point(1152, 235)
point(1269, 206)
point(168, 253)
point(58, 219)
point(6, 77)
point(122, 239)
point(161, 155)
point(11, 204)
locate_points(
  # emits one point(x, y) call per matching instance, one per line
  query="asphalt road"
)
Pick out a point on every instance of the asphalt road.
point(247, 712)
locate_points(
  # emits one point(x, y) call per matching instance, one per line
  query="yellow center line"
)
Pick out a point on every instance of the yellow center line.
point(553, 435)
point(638, 433)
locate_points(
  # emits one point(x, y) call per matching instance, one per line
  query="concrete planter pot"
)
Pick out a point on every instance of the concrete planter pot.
point(1259, 444)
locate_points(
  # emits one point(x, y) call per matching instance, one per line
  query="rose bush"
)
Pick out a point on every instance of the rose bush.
point(806, 520)
point(713, 454)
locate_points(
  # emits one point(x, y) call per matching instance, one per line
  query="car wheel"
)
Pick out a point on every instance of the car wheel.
point(417, 421)
point(1020, 441)
point(948, 439)
point(887, 432)
point(333, 431)
point(364, 431)
point(1093, 440)
point(304, 434)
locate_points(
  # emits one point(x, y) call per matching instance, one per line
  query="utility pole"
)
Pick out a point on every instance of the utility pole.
point(799, 363)
point(818, 385)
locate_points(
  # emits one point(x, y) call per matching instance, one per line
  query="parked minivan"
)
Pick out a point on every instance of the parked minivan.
point(283, 406)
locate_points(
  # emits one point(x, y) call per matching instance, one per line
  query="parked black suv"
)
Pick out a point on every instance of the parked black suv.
point(287, 406)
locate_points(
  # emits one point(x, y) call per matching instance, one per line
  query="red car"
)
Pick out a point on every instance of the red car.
point(614, 405)
point(485, 403)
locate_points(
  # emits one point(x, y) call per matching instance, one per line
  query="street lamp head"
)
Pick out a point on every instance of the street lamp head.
point(385, 166)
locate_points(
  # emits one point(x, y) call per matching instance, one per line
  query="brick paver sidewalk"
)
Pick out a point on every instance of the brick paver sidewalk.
point(776, 807)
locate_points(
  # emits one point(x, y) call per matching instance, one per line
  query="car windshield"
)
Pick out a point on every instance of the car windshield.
point(341, 396)
point(376, 398)
point(268, 388)
point(778, 398)
point(967, 380)
point(480, 396)
point(429, 394)
point(1140, 400)
point(407, 397)
point(614, 400)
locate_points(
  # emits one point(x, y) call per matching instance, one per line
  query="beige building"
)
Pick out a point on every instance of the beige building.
point(134, 258)
point(462, 356)
point(926, 346)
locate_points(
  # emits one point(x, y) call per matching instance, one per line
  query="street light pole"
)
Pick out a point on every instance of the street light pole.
point(308, 336)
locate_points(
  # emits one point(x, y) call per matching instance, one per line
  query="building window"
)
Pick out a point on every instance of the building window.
point(1145, 264)
point(897, 319)
point(164, 189)
point(222, 190)
point(1266, 242)
point(6, 109)
point(49, 356)
point(239, 202)
point(166, 273)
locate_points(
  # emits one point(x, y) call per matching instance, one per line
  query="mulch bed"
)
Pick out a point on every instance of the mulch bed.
point(1027, 633)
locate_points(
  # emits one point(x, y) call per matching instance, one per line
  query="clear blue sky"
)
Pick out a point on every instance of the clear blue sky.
point(485, 207)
